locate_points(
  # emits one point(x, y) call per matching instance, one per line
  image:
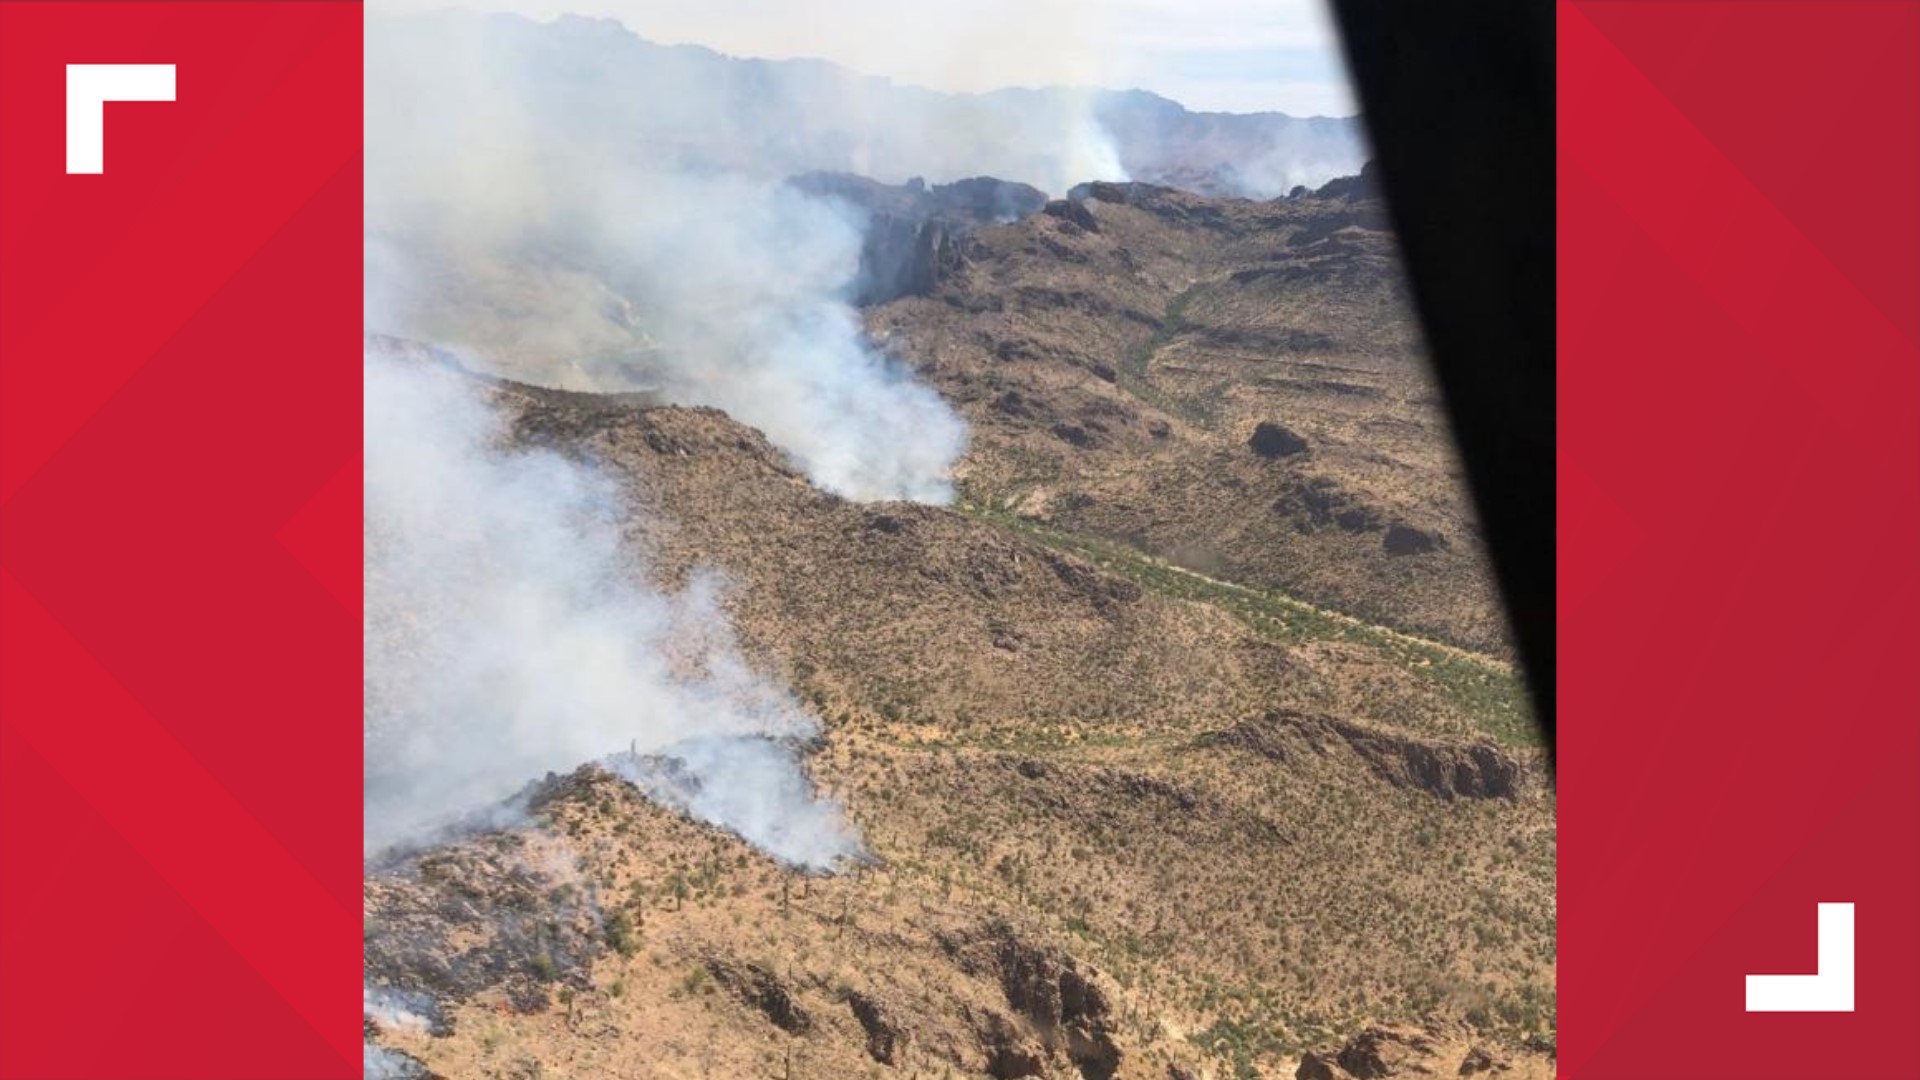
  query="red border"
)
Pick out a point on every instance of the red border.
point(179, 547)
point(1740, 539)
point(1739, 277)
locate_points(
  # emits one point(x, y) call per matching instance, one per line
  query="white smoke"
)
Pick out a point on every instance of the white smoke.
point(397, 1010)
point(1307, 156)
point(752, 787)
point(380, 1063)
point(509, 632)
point(1087, 149)
point(517, 212)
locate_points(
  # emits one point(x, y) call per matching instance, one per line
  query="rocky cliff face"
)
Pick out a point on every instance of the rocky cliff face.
point(915, 234)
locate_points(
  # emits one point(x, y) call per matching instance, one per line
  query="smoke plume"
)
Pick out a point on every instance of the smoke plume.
point(573, 206)
point(558, 232)
point(509, 632)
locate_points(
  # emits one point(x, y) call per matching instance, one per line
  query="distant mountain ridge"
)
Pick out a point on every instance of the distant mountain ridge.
point(698, 108)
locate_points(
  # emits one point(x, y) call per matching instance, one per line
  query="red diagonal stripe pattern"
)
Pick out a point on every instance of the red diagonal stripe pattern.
point(1740, 530)
point(174, 814)
point(179, 644)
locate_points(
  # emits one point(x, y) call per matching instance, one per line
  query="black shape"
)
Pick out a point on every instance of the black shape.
point(1459, 101)
point(1270, 440)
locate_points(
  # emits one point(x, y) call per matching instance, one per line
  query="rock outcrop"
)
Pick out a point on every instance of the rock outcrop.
point(1403, 539)
point(1065, 1006)
point(764, 992)
point(1271, 441)
point(914, 233)
point(1443, 769)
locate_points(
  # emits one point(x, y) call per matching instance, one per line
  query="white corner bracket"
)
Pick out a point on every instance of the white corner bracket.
point(89, 88)
point(1829, 988)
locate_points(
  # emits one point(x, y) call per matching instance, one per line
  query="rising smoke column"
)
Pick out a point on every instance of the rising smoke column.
point(514, 211)
point(509, 633)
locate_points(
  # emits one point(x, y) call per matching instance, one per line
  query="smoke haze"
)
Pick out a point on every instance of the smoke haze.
point(578, 207)
point(510, 212)
point(572, 206)
point(509, 633)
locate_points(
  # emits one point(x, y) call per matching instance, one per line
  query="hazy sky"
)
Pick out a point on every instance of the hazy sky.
point(1232, 55)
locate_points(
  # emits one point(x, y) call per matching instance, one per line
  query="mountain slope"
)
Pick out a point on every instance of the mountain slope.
point(1237, 387)
point(1115, 830)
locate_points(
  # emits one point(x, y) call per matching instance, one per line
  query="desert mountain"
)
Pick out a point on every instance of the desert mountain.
point(687, 107)
point(1119, 820)
point(1232, 386)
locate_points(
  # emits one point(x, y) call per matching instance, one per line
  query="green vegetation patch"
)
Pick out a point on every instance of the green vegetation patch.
point(1488, 692)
